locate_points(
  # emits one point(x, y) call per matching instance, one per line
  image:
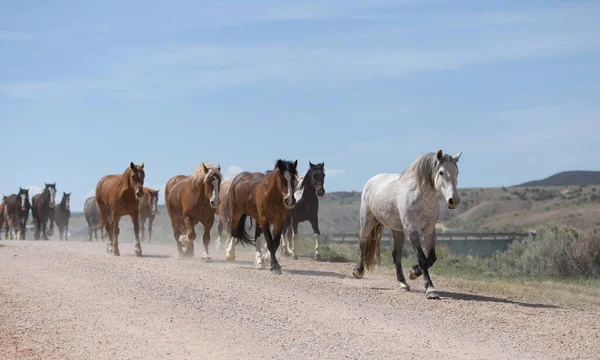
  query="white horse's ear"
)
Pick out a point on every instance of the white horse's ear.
point(440, 155)
point(457, 156)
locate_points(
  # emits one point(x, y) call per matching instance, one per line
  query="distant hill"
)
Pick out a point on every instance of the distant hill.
point(566, 178)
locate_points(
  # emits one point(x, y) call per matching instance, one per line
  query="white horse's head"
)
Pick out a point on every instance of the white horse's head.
point(446, 178)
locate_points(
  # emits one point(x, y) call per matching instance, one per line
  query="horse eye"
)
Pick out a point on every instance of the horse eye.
point(441, 173)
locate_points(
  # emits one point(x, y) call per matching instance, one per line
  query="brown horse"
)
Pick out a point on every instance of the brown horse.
point(16, 213)
point(148, 210)
point(2, 206)
point(193, 199)
point(266, 198)
point(117, 196)
point(91, 211)
point(41, 207)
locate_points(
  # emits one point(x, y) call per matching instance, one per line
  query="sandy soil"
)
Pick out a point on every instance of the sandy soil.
point(73, 301)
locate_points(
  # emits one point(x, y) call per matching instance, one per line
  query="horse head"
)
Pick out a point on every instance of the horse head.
point(212, 183)
point(153, 200)
point(51, 191)
point(66, 200)
point(287, 181)
point(24, 195)
point(136, 180)
point(317, 177)
point(446, 178)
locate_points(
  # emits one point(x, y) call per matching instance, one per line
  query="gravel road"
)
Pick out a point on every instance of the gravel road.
point(62, 300)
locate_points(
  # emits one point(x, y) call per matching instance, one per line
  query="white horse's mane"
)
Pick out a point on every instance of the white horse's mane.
point(299, 188)
point(424, 168)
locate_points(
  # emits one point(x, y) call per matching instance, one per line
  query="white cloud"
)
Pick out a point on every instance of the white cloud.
point(232, 171)
point(335, 172)
point(33, 189)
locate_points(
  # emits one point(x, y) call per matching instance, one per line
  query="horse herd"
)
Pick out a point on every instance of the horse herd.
point(277, 200)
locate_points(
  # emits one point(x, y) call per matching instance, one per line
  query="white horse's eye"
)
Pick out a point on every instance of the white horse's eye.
point(441, 173)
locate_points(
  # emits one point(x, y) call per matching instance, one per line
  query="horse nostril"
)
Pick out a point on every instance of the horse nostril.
point(451, 201)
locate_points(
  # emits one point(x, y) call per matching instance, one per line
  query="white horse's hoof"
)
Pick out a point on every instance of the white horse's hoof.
point(357, 274)
point(230, 257)
point(206, 257)
point(431, 293)
point(184, 241)
point(404, 286)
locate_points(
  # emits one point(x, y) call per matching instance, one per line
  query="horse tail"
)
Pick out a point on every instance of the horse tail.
point(239, 232)
point(373, 247)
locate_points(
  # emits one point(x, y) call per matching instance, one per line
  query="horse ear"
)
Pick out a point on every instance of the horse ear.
point(295, 163)
point(457, 156)
point(54, 184)
point(204, 167)
point(132, 166)
point(311, 164)
point(440, 155)
point(323, 164)
point(142, 166)
point(46, 185)
point(219, 167)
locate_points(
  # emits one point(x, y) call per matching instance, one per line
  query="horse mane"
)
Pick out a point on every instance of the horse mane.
point(125, 178)
point(424, 168)
point(201, 174)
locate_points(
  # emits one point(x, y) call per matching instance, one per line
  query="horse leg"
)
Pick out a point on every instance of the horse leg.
point(294, 239)
point(415, 241)
point(44, 230)
point(207, 225)
point(87, 219)
point(176, 224)
point(259, 257)
point(36, 233)
point(397, 256)
point(150, 221)
point(191, 236)
point(107, 225)
point(135, 219)
point(272, 243)
point(285, 241)
point(67, 230)
point(219, 233)
point(315, 226)
point(115, 234)
point(230, 253)
point(367, 224)
point(142, 224)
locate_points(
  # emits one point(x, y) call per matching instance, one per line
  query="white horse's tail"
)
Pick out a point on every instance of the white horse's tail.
point(373, 247)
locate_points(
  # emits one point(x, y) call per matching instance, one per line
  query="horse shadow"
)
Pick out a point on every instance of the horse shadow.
point(156, 256)
point(315, 273)
point(482, 298)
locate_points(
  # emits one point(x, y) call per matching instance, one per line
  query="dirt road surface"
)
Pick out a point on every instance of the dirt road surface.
point(62, 300)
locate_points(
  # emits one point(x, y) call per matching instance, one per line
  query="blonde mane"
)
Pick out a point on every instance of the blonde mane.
point(205, 171)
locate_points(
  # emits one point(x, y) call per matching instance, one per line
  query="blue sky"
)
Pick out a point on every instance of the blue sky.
point(365, 86)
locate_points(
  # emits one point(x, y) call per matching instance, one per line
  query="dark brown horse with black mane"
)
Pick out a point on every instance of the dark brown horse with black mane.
point(193, 199)
point(2, 206)
point(118, 195)
point(265, 197)
point(91, 211)
point(41, 206)
point(148, 210)
point(16, 213)
point(310, 188)
point(62, 214)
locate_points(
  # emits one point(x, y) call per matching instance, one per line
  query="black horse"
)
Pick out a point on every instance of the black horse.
point(310, 188)
point(62, 215)
point(16, 213)
point(42, 209)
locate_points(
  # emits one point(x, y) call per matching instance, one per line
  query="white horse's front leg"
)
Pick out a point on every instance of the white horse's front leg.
point(230, 253)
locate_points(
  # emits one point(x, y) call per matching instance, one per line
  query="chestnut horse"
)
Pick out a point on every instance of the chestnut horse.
point(148, 210)
point(265, 197)
point(117, 196)
point(193, 199)
point(91, 211)
point(41, 207)
point(2, 205)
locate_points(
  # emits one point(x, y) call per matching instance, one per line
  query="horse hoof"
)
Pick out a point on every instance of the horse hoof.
point(295, 257)
point(412, 274)
point(404, 286)
point(206, 257)
point(230, 257)
point(116, 253)
point(357, 274)
point(317, 256)
point(431, 293)
point(259, 266)
point(276, 270)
